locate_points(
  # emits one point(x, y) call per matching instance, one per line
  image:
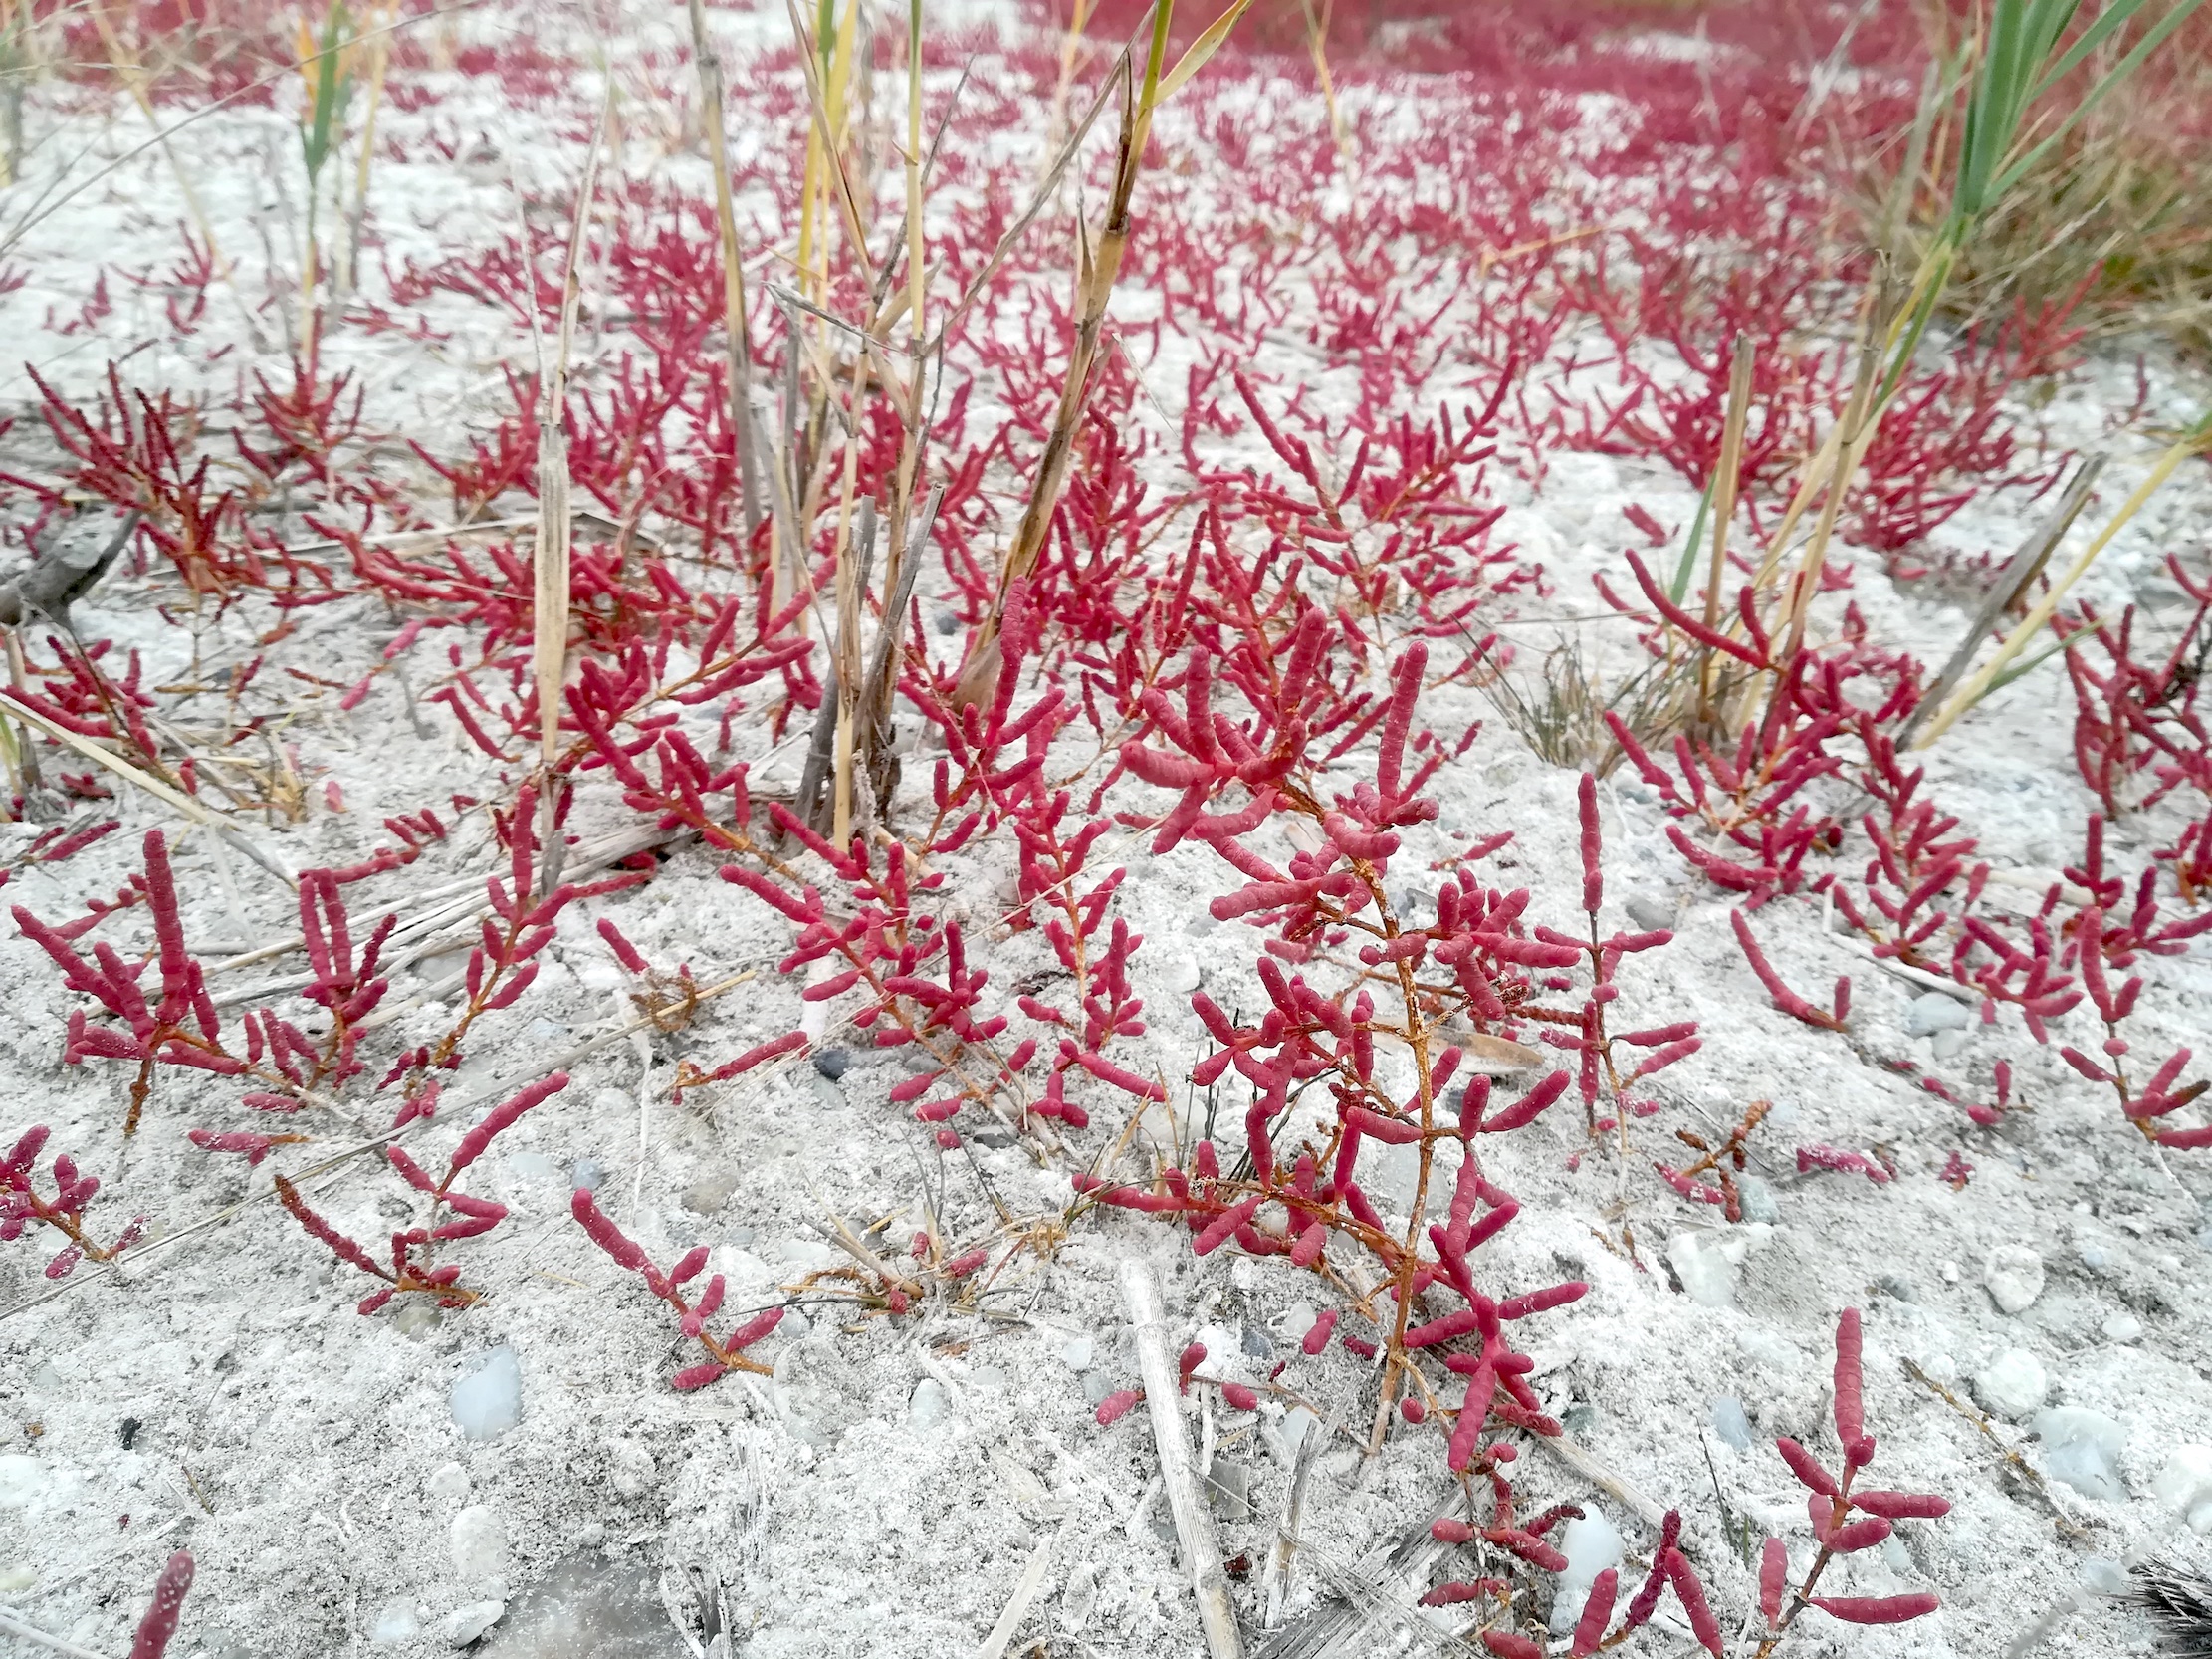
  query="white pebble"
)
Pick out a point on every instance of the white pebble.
point(2014, 1275)
point(1706, 1275)
point(15, 1579)
point(2013, 1384)
point(2122, 1327)
point(925, 1407)
point(489, 1400)
point(1935, 1011)
point(2082, 1447)
point(1591, 1546)
point(1078, 1352)
point(2185, 1485)
point(465, 1624)
point(396, 1621)
point(448, 1483)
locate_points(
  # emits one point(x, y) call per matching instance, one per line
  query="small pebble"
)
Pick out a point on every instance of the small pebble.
point(1078, 1596)
point(489, 1400)
point(1936, 1011)
point(1078, 1352)
point(2014, 1275)
point(945, 623)
point(1096, 1386)
point(1947, 1045)
point(832, 1063)
point(2105, 1576)
point(1591, 1546)
point(926, 1406)
point(2185, 1485)
point(465, 1625)
point(1183, 974)
point(631, 1467)
point(396, 1621)
point(587, 1175)
point(2122, 1327)
point(417, 1320)
point(2082, 1447)
point(2014, 1384)
point(1730, 1423)
point(448, 1483)
point(18, 1577)
point(1707, 1277)
point(710, 1192)
point(479, 1547)
point(531, 1166)
point(1652, 915)
point(1757, 1197)
point(1257, 1344)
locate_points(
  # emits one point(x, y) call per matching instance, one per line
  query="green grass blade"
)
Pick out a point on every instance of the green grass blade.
point(1682, 572)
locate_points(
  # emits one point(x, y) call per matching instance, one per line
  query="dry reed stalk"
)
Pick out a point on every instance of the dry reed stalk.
point(1096, 272)
point(1317, 46)
point(380, 60)
point(1071, 47)
point(738, 341)
point(550, 563)
point(2009, 589)
point(132, 72)
point(1725, 480)
point(1978, 685)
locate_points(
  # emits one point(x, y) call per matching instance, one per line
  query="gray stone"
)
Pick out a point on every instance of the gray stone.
point(588, 1174)
point(708, 1194)
point(1652, 915)
point(1257, 1344)
point(832, 1063)
point(1096, 1386)
point(588, 1607)
point(1230, 1485)
point(2014, 1275)
point(1947, 1045)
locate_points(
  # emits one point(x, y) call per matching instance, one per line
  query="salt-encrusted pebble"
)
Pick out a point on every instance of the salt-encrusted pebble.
point(2185, 1485)
point(2122, 1327)
point(1699, 1261)
point(2014, 1275)
point(631, 1469)
point(2082, 1447)
point(1935, 1011)
point(396, 1621)
point(479, 1547)
point(465, 1624)
point(489, 1400)
point(1730, 1423)
point(2013, 1384)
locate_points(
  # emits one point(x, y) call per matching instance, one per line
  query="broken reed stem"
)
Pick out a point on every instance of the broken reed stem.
point(549, 601)
point(735, 328)
point(1724, 504)
point(1194, 1517)
point(1317, 44)
point(125, 64)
